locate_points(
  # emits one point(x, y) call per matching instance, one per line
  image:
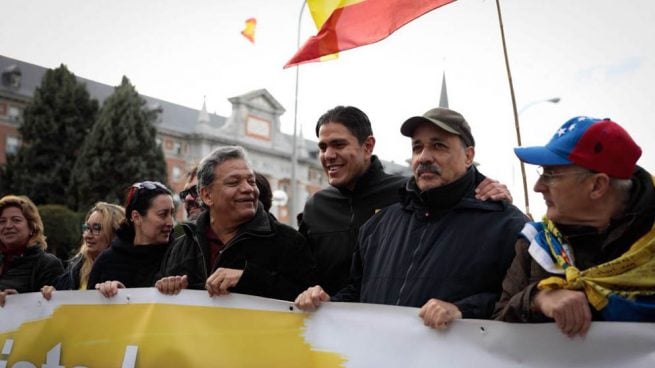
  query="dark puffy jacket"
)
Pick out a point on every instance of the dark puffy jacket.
point(134, 266)
point(274, 257)
point(589, 247)
point(332, 218)
point(442, 243)
point(31, 271)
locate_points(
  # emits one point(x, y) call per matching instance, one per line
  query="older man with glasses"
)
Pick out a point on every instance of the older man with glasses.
point(592, 256)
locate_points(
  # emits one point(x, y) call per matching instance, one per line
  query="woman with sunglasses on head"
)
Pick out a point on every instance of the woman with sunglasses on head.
point(135, 255)
point(98, 231)
point(24, 264)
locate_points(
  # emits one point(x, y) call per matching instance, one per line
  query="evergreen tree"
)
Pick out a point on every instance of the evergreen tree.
point(55, 124)
point(120, 150)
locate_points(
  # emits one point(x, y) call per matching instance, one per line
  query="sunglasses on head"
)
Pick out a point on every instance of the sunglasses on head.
point(150, 185)
point(193, 191)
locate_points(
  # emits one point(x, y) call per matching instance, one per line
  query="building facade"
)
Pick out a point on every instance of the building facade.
point(186, 135)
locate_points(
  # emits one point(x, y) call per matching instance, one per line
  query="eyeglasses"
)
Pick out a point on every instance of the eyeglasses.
point(193, 191)
point(93, 228)
point(548, 177)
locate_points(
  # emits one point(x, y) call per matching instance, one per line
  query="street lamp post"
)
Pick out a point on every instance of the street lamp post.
point(518, 141)
point(294, 152)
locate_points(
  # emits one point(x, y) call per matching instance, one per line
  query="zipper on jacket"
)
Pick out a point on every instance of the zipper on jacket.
point(411, 265)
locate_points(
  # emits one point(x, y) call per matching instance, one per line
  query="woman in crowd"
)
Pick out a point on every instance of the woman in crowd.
point(135, 255)
point(24, 265)
point(98, 231)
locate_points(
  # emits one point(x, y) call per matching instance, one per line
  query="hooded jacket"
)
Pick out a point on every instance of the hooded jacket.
point(589, 248)
point(332, 218)
point(442, 243)
point(134, 266)
point(274, 257)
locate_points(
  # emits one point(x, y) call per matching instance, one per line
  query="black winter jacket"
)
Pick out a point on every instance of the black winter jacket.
point(70, 279)
point(442, 243)
point(332, 218)
point(274, 257)
point(134, 266)
point(31, 271)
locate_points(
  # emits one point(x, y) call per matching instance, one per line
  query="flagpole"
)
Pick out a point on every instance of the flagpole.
point(516, 115)
point(294, 151)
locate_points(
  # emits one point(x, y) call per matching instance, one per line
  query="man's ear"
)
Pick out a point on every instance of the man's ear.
point(206, 196)
point(470, 154)
point(369, 145)
point(600, 186)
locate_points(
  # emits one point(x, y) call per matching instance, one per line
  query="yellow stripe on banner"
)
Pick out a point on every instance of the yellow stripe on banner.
point(162, 335)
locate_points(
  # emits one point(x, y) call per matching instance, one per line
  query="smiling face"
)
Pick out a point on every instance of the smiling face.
point(232, 196)
point(95, 237)
point(14, 228)
point(156, 225)
point(438, 157)
point(343, 158)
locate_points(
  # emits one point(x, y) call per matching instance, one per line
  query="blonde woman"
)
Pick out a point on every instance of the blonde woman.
point(24, 265)
point(98, 231)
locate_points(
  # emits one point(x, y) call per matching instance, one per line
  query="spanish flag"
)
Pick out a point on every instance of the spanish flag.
point(355, 23)
point(249, 30)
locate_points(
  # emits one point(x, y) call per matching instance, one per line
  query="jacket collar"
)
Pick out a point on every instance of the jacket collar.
point(372, 174)
point(261, 224)
point(458, 194)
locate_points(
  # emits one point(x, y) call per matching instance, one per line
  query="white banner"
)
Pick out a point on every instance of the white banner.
point(143, 328)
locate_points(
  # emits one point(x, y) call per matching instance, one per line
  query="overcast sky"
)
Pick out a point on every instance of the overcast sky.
point(598, 56)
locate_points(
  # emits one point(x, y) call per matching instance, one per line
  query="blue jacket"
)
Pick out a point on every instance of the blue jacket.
point(442, 243)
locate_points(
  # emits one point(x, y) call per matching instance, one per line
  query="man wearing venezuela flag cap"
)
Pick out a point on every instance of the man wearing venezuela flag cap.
point(592, 257)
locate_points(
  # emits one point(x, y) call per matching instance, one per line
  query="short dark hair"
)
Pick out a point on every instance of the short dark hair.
point(354, 119)
point(265, 193)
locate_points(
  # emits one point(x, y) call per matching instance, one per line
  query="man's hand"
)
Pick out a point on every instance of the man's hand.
point(311, 298)
point(221, 280)
point(3, 295)
point(494, 190)
point(172, 284)
point(438, 314)
point(569, 309)
point(47, 291)
point(109, 288)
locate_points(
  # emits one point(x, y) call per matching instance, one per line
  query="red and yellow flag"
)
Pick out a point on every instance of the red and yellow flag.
point(355, 23)
point(249, 29)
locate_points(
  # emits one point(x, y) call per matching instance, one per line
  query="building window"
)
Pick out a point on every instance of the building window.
point(177, 148)
point(12, 145)
point(13, 113)
point(176, 173)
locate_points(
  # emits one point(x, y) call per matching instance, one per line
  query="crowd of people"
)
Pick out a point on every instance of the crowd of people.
point(446, 240)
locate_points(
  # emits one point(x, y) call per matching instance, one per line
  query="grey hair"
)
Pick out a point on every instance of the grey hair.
point(218, 156)
point(623, 187)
